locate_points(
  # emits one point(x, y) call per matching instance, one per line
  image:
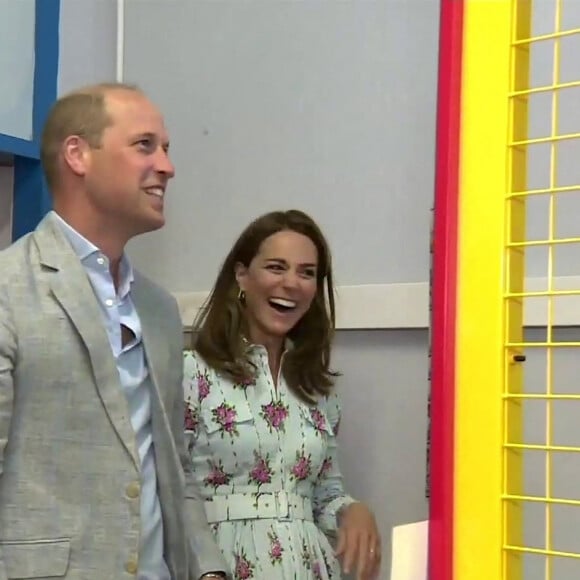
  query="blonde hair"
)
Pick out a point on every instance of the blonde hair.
point(82, 112)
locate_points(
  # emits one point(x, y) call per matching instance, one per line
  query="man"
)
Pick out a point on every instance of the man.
point(95, 483)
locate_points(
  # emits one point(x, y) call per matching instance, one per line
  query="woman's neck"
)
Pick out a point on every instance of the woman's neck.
point(274, 347)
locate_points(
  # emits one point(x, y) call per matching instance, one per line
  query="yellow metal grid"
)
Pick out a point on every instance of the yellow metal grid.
point(517, 344)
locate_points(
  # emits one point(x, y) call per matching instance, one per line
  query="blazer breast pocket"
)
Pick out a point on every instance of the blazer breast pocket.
point(45, 558)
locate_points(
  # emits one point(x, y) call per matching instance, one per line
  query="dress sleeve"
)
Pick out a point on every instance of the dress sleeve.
point(191, 373)
point(329, 492)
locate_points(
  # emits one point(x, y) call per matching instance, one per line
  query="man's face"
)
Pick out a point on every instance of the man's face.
point(127, 176)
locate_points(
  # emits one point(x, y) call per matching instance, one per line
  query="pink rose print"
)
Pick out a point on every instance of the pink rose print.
point(217, 475)
point(303, 466)
point(191, 418)
point(247, 382)
point(274, 413)
point(203, 385)
point(318, 420)
point(317, 571)
point(225, 417)
point(276, 549)
point(261, 472)
point(244, 568)
point(325, 467)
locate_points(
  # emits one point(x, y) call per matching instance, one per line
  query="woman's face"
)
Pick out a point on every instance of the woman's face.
point(279, 284)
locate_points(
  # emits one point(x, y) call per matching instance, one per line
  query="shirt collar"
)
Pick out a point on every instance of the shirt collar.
point(288, 345)
point(85, 249)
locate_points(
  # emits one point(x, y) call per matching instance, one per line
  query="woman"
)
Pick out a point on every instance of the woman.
point(261, 414)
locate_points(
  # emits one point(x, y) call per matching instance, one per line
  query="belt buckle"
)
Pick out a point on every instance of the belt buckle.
point(282, 506)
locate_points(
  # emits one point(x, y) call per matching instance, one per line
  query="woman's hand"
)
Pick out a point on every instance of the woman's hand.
point(359, 541)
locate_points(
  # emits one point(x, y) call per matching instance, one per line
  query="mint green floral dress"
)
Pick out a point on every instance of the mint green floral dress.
point(254, 441)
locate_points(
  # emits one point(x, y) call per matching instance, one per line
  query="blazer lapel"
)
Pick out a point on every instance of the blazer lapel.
point(72, 290)
point(155, 343)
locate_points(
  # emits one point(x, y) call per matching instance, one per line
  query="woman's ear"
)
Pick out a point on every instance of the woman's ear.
point(241, 272)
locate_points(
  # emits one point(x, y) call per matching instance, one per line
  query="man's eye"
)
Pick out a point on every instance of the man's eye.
point(145, 144)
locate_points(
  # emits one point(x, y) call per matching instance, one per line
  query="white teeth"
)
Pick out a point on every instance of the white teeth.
point(284, 303)
point(157, 191)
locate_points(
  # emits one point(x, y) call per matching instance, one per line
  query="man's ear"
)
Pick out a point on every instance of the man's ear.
point(76, 154)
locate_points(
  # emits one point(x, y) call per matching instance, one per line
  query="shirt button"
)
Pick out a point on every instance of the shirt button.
point(133, 490)
point(100, 260)
point(131, 566)
point(109, 302)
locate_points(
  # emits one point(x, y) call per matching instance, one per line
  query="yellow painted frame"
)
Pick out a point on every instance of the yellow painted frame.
point(517, 171)
point(483, 366)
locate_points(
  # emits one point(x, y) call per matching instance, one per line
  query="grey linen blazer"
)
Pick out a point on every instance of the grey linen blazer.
point(69, 468)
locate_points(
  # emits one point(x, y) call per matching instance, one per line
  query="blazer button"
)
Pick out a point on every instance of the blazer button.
point(133, 490)
point(131, 566)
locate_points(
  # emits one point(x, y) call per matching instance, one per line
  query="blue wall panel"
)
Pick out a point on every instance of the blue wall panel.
point(31, 198)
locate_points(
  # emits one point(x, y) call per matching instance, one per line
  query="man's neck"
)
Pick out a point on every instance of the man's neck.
point(100, 237)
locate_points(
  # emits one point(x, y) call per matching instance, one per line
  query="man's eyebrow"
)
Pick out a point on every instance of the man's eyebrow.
point(152, 136)
point(146, 134)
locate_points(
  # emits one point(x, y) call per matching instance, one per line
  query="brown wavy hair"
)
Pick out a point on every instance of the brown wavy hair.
point(220, 327)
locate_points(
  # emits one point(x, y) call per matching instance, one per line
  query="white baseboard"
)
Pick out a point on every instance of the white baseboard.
point(400, 306)
point(365, 306)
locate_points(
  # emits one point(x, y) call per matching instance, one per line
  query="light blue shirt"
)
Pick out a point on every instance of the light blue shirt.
point(118, 310)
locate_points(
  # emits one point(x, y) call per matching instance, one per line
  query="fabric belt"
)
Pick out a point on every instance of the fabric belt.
point(279, 505)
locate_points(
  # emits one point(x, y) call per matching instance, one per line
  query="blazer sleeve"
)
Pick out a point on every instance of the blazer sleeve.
point(205, 555)
point(8, 346)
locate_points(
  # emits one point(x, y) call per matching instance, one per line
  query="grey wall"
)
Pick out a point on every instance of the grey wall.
point(327, 106)
point(17, 38)
point(382, 437)
point(87, 42)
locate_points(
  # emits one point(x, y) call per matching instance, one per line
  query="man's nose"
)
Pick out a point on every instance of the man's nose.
point(163, 163)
